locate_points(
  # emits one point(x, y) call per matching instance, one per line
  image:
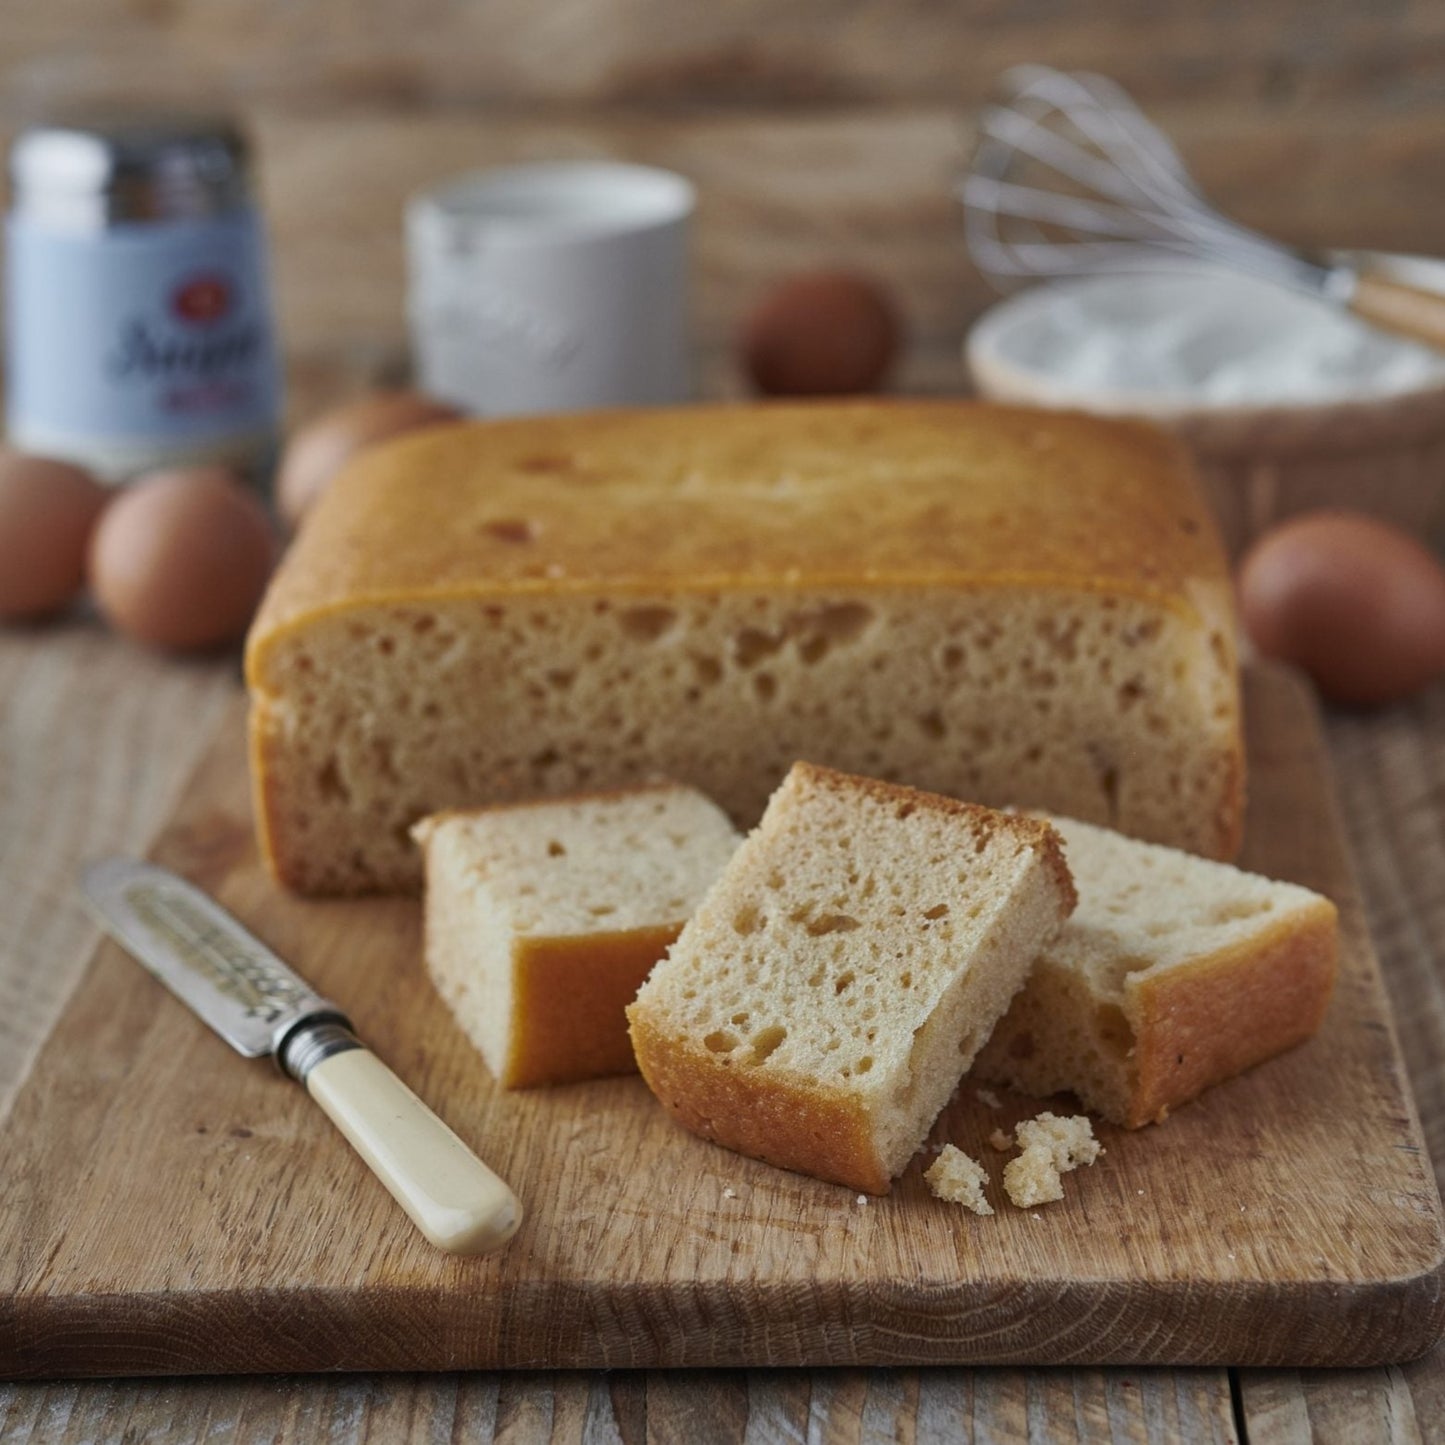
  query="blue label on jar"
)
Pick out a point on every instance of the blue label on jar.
point(143, 332)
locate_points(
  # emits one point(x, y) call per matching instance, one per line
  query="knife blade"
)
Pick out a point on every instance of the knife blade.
point(254, 1001)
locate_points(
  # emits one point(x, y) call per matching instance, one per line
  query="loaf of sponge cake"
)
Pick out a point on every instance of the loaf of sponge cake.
point(1007, 606)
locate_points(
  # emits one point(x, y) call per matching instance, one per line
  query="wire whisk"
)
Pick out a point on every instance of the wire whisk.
point(1071, 179)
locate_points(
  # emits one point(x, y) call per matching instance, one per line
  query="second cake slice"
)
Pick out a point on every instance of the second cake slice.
point(821, 1005)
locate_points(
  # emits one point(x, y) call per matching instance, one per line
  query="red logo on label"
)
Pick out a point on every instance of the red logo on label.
point(202, 300)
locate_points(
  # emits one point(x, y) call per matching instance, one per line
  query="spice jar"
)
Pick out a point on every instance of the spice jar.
point(138, 323)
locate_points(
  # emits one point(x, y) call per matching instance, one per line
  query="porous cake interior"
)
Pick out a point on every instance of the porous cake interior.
point(1143, 912)
point(608, 862)
point(469, 941)
point(1109, 709)
point(862, 943)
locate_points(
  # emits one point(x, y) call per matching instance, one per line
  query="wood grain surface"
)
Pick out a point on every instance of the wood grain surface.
point(734, 53)
point(824, 132)
point(95, 720)
point(1318, 122)
point(868, 188)
point(1289, 1217)
point(675, 1407)
point(1390, 767)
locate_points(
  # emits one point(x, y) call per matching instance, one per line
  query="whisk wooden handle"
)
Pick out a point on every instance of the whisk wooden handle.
point(1406, 310)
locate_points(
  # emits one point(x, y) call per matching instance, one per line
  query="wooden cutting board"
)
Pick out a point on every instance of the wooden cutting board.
point(167, 1207)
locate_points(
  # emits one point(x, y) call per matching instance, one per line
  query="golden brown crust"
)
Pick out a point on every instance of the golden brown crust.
point(570, 997)
point(954, 494)
point(1051, 853)
point(787, 1121)
point(266, 802)
point(1198, 1025)
point(1233, 799)
point(1216, 602)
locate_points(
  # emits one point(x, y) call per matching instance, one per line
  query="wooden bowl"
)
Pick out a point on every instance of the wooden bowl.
point(1383, 455)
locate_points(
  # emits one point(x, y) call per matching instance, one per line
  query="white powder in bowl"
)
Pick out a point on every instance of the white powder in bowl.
point(1183, 340)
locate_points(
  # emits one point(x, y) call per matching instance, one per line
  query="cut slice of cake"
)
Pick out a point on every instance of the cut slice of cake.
point(822, 1004)
point(1173, 974)
point(542, 919)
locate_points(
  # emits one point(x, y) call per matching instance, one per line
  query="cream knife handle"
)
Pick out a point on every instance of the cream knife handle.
point(451, 1196)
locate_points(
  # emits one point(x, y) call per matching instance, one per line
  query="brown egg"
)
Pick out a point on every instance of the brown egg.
point(1358, 604)
point(830, 333)
point(180, 558)
point(322, 447)
point(47, 513)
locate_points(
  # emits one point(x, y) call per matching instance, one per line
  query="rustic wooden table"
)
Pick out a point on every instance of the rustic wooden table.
point(818, 134)
point(96, 740)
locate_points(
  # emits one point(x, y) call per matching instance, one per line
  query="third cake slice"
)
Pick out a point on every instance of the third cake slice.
point(1175, 973)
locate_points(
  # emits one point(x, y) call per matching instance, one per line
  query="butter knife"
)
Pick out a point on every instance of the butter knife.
point(259, 1006)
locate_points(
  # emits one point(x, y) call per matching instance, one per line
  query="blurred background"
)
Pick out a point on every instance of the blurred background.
point(817, 133)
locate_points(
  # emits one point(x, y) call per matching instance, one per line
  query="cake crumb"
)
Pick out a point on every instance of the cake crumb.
point(988, 1098)
point(1001, 1141)
point(1070, 1141)
point(1050, 1147)
point(956, 1177)
point(1033, 1178)
point(730, 1194)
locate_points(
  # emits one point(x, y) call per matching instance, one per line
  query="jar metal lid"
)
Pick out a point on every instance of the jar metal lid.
point(92, 172)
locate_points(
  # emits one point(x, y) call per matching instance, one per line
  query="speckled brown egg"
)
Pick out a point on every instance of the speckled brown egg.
point(829, 333)
point(321, 448)
point(1359, 605)
point(180, 559)
point(48, 510)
